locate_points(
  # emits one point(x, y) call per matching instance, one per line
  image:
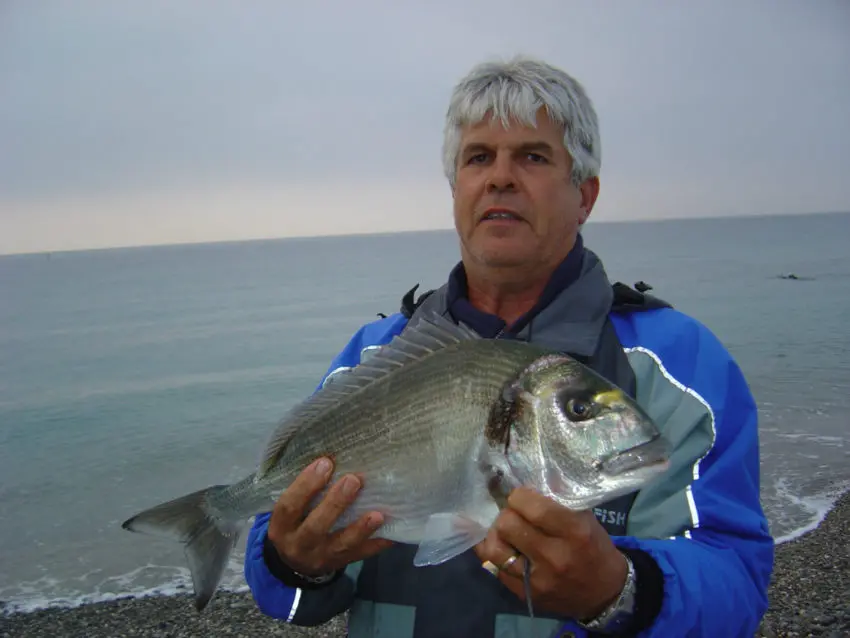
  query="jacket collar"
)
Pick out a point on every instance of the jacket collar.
point(569, 315)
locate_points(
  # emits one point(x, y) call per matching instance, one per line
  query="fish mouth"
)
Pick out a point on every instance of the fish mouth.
point(650, 456)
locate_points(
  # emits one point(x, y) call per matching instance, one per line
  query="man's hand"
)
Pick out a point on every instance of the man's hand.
point(576, 569)
point(304, 544)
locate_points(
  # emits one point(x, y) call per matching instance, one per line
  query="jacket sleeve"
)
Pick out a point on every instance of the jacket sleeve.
point(703, 525)
point(291, 604)
point(298, 606)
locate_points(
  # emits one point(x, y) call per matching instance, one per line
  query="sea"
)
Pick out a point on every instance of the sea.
point(131, 376)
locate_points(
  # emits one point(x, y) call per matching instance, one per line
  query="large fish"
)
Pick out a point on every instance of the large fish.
point(441, 425)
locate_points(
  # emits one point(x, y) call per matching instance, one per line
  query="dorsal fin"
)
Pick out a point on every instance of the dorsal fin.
point(430, 333)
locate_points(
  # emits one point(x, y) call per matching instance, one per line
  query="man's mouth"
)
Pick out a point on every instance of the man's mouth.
point(501, 215)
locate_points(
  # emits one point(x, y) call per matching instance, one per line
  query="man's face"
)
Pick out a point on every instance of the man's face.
point(514, 203)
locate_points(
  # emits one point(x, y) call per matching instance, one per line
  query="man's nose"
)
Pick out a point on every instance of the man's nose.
point(501, 175)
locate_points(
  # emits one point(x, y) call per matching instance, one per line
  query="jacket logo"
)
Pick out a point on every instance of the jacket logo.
point(609, 517)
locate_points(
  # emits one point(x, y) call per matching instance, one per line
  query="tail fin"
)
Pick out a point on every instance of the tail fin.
point(208, 539)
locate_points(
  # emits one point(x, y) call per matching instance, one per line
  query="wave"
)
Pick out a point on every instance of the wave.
point(37, 595)
point(817, 506)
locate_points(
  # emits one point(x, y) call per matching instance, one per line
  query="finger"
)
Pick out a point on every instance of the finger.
point(513, 565)
point(290, 507)
point(514, 531)
point(566, 535)
point(326, 513)
point(542, 512)
point(494, 553)
point(494, 549)
point(355, 542)
point(500, 555)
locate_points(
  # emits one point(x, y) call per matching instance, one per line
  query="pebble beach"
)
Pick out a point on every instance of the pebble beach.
point(809, 596)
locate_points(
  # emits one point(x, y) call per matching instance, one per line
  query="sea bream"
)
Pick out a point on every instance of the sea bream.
point(440, 424)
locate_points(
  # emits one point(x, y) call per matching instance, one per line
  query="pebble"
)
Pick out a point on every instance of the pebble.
point(810, 591)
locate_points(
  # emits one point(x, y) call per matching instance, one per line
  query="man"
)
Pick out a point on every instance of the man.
point(688, 555)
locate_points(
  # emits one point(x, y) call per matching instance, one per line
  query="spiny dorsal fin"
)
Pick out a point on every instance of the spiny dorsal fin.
point(430, 333)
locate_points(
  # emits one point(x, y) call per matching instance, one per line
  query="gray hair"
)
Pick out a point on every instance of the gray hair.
point(518, 88)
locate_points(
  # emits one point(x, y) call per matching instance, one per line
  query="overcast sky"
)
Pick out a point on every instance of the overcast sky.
point(125, 123)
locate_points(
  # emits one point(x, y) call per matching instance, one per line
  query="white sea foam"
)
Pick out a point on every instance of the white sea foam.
point(817, 506)
point(836, 441)
point(48, 592)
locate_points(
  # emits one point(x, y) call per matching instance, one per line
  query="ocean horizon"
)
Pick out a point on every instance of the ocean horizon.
point(131, 375)
point(378, 233)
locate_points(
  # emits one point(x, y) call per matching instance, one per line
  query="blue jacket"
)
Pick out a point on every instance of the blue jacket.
point(703, 525)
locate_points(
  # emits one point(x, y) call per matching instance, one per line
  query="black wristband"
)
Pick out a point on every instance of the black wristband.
point(649, 593)
point(285, 574)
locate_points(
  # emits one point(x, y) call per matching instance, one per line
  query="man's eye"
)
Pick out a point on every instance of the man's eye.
point(538, 159)
point(477, 158)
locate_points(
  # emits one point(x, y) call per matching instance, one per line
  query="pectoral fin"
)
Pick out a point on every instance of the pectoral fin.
point(447, 534)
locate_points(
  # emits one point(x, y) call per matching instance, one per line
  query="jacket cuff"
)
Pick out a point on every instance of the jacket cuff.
point(649, 593)
point(285, 574)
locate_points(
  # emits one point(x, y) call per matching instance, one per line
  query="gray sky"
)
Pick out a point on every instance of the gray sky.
point(125, 123)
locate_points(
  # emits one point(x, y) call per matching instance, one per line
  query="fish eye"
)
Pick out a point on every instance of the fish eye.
point(579, 410)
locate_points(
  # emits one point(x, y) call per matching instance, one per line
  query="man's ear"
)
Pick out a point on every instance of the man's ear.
point(589, 190)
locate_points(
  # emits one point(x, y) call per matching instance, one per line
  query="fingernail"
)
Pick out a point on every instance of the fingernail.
point(350, 484)
point(323, 466)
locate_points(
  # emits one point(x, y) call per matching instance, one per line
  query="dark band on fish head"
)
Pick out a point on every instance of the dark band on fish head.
point(504, 413)
point(508, 408)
